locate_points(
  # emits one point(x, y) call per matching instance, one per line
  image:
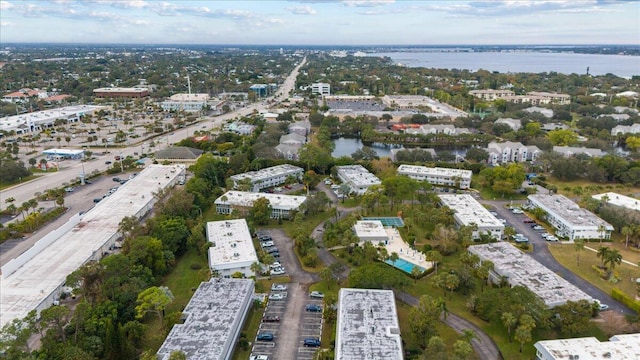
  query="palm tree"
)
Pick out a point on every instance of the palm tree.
point(613, 258)
point(602, 253)
point(626, 231)
point(601, 230)
point(434, 257)
point(578, 245)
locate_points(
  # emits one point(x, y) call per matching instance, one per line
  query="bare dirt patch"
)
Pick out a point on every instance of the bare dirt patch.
point(614, 323)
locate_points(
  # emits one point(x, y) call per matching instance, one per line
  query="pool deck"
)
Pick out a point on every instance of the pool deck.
point(404, 251)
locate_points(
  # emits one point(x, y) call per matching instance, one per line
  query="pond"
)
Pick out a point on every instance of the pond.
point(347, 146)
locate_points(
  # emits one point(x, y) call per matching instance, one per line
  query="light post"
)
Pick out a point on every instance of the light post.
point(82, 176)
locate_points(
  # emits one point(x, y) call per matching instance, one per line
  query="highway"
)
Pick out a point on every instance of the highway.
point(71, 169)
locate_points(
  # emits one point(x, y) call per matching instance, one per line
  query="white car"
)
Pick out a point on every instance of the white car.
point(316, 294)
point(278, 271)
point(276, 296)
point(259, 357)
point(267, 244)
point(276, 265)
point(278, 287)
point(552, 238)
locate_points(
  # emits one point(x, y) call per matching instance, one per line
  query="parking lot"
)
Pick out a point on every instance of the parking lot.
point(293, 323)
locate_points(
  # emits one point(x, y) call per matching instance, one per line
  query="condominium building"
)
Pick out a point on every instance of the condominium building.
point(321, 88)
point(468, 212)
point(231, 248)
point(619, 347)
point(569, 151)
point(490, 94)
point(213, 320)
point(186, 102)
point(506, 152)
point(569, 219)
point(45, 119)
point(118, 92)
point(371, 230)
point(282, 206)
point(517, 268)
point(357, 178)
point(367, 326)
point(458, 178)
point(514, 124)
point(625, 129)
point(269, 177)
point(619, 200)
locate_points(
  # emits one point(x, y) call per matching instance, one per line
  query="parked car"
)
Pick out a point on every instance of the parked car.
point(267, 318)
point(116, 179)
point(271, 250)
point(278, 287)
point(312, 342)
point(537, 227)
point(529, 221)
point(275, 265)
point(265, 238)
point(97, 200)
point(602, 307)
point(107, 162)
point(275, 254)
point(276, 296)
point(316, 294)
point(265, 336)
point(69, 189)
point(313, 308)
point(278, 271)
point(258, 357)
point(267, 244)
point(552, 238)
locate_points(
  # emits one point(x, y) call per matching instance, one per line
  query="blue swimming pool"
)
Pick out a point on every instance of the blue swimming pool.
point(388, 221)
point(404, 265)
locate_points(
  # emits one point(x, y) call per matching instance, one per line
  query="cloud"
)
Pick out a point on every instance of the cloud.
point(518, 7)
point(5, 23)
point(121, 4)
point(367, 3)
point(302, 10)
point(5, 5)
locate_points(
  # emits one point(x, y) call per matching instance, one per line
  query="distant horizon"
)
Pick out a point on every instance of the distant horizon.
point(8, 44)
point(320, 22)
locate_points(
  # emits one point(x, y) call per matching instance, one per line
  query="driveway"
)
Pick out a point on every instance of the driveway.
point(542, 254)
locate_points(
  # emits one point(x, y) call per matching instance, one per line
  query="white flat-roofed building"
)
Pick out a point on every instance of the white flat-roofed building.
point(41, 120)
point(371, 230)
point(214, 318)
point(34, 280)
point(121, 92)
point(468, 212)
point(281, 205)
point(518, 268)
point(357, 178)
point(231, 248)
point(321, 88)
point(569, 219)
point(438, 176)
point(491, 94)
point(268, 177)
point(616, 199)
point(185, 102)
point(619, 347)
point(367, 326)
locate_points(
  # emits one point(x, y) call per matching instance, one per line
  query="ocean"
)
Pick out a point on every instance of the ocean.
point(519, 61)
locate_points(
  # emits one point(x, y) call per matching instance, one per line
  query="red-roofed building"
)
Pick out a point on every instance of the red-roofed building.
point(56, 98)
point(23, 95)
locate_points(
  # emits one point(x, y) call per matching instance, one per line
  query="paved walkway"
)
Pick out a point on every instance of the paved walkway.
point(595, 251)
point(483, 345)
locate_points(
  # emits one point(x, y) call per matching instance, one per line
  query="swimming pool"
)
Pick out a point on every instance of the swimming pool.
point(388, 221)
point(405, 265)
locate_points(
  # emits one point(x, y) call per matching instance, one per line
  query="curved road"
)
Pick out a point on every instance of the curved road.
point(542, 254)
point(482, 344)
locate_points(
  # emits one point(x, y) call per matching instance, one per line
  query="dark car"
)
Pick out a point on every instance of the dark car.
point(271, 249)
point(313, 308)
point(312, 342)
point(116, 179)
point(107, 162)
point(529, 221)
point(97, 200)
point(270, 318)
point(265, 336)
point(275, 255)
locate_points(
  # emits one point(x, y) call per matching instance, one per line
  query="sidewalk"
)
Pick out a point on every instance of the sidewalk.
point(623, 260)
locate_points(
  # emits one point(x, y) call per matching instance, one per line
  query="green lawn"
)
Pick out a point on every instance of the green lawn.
point(182, 281)
point(566, 255)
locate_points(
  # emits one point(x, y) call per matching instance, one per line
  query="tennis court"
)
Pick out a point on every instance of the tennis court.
point(388, 221)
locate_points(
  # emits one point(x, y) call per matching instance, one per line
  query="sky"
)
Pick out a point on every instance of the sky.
point(321, 22)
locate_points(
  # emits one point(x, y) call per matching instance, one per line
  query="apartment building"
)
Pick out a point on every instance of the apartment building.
point(321, 88)
point(569, 219)
point(568, 151)
point(186, 102)
point(268, 177)
point(619, 347)
point(506, 152)
point(119, 92)
point(468, 212)
point(282, 206)
point(213, 320)
point(231, 248)
point(514, 124)
point(357, 178)
point(458, 178)
point(490, 94)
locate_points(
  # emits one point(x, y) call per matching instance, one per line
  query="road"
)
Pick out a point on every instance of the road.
point(542, 254)
point(71, 169)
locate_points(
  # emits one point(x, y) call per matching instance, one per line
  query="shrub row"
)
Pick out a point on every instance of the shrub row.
point(626, 300)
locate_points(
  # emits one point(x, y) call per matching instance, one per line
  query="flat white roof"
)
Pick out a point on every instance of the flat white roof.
point(570, 213)
point(358, 175)
point(370, 229)
point(62, 152)
point(213, 316)
point(246, 199)
point(434, 171)
point(268, 173)
point(230, 244)
point(189, 97)
point(468, 211)
point(620, 200)
point(619, 347)
point(367, 326)
point(23, 290)
point(521, 269)
point(46, 116)
point(121, 89)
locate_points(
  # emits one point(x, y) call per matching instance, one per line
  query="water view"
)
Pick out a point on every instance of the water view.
point(534, 62)
point(347, 146)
